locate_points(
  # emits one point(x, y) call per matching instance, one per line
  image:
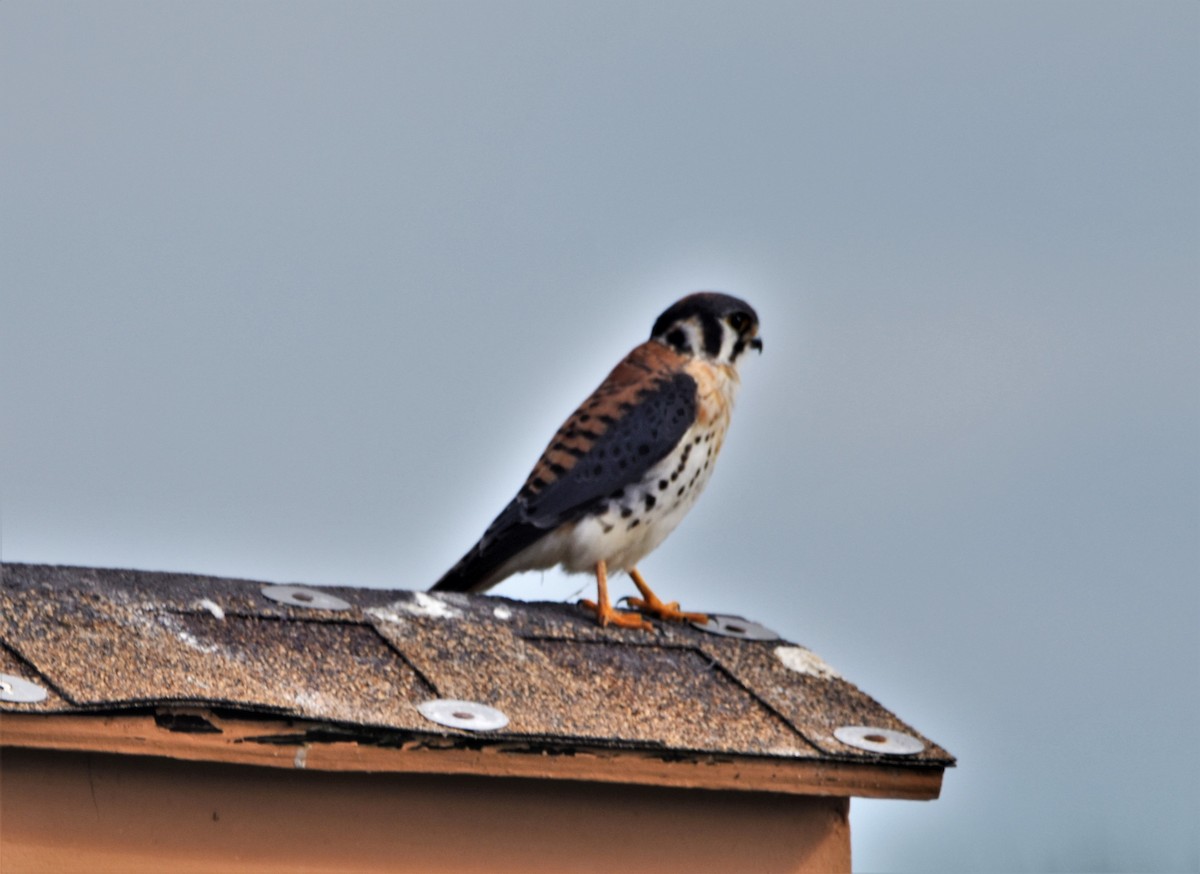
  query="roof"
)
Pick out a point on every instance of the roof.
point(203, 667)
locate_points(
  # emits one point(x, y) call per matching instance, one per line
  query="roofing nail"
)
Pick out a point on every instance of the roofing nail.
point(736, 626)
point(299, 596)
point(18, 690)
point(467, 715)
point(879, 740)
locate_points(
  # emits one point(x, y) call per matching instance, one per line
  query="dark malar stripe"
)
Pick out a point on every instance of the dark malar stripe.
point(712, 334)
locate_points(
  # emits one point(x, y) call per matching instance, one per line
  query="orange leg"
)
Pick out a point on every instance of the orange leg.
point(603, 609)
point(650, 603)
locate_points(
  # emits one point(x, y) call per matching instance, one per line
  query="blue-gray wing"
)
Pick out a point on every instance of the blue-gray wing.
point(621, 438)
point(630, 423)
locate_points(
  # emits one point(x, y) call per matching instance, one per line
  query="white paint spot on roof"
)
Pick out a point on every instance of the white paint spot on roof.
point(805, 661)
point(311, 702)
point(421, 604)
point(183, 635)
point(191, 640)
point(212, 607)
point(386, 614)
point(502, 613)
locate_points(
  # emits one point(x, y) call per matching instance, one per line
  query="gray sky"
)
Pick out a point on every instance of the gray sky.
point(299, 292)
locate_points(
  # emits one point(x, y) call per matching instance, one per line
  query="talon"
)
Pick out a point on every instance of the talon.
point(619, 618)
point(651, 604)
point(654, 606)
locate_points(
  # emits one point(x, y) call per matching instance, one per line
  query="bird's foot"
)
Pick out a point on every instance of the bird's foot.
point(668, 612)
point(606, 615)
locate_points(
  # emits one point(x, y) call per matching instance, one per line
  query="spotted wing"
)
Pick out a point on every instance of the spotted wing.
point(629, 424)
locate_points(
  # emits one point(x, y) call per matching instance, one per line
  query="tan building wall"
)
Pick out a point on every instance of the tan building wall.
point(95, 812)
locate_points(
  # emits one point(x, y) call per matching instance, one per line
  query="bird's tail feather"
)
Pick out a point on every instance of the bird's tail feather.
point(477, 570)
point(468, 574)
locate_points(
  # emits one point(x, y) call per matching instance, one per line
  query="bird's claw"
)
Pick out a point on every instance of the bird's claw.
point(606, 615)
point(668, 612)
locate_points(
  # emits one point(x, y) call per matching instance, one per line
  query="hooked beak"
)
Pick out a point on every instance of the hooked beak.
point(756, 345)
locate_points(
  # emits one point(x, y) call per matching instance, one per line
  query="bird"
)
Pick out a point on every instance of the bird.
point(627, 465)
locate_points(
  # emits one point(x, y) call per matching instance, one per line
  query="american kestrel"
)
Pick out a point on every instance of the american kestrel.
point(626, 467)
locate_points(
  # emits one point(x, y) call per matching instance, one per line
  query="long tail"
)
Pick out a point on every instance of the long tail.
point(469, 574)
point(478, 570)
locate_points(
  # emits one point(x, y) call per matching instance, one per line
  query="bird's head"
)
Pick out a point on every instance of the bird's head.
point(710, 325)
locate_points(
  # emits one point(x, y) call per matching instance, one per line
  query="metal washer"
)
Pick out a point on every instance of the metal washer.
point(467, 715)
point(879, 740)
point(18, 690)
point(300, 596)
point(736, 626)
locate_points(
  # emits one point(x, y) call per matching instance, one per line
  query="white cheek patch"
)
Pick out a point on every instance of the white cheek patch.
point(695, 336)
point(727, 341)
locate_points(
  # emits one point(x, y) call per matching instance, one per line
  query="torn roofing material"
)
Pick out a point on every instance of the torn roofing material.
point(125, 641)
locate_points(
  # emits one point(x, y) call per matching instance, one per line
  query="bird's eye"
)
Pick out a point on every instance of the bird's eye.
point(739, 321)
